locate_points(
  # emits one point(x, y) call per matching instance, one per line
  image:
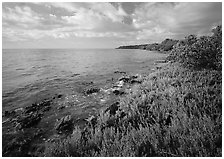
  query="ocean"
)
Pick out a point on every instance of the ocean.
point(29, 75)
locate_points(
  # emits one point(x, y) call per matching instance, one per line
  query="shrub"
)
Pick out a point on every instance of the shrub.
point(199, 52)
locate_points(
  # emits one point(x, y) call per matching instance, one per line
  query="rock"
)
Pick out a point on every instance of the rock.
point(124, 78)
point(44, 105)
point(19, 110)
point(65, 124)
point(135, 81)
point(87, 83)
point(34, 107)
point(158, 67)
point(135, 76)
point(30, 120)
point(117, 91)
point(120, 72)
point(113, 108)
point(128, 79)
point(47, 108)
point(5, 121)
point(61, 107)
point(160, 61)
point(75, 74)
point(168, 120)
point(60, 95)
point(92, 90)
point(120, 84)
point(9, 113)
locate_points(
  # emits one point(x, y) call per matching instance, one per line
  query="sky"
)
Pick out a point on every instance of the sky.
point(103, 25)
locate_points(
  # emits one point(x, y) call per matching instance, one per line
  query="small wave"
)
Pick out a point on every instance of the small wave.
point(26, 74)
point(18, 69)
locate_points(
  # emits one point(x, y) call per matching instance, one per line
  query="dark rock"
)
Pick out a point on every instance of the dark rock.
point(113, 108)
point(47, 108)
point(30, 120)
point(76, 74)
point(61, 107)
point(128, 79)
point(120, 72)
point(87, 83)
point(160, 61)
point(65, 124)
point(92, 90)
point(60, 95)
point(168, 120)
point(124, 78)
point(9, 113)
point(158, 67)
point(134, 81)
point(44, 103)
point(44, 106)
point(18, 145)
point(34, 107)
point(122, 115)
point(118, 92)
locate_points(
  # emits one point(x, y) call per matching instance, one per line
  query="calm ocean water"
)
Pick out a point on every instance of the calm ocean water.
point(27, 73)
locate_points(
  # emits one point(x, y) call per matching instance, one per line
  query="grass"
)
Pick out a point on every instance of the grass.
point(174, 112)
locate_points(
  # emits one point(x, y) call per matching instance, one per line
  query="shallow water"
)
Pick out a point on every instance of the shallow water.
point(28, 75)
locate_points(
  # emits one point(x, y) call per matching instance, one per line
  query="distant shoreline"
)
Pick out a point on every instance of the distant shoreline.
point(164, 46)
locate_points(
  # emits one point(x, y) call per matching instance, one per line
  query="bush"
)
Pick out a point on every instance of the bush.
point(203, 52)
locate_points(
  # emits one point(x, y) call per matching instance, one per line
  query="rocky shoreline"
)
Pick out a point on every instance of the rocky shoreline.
point(26, 130)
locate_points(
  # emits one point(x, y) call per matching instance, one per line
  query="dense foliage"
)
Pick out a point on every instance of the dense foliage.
point(199, 52)
point(174, 112)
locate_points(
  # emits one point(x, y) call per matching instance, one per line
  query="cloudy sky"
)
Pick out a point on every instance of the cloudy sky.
point(103, 25)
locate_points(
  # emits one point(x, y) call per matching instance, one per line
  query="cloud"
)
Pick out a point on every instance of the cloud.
point(21, 15)
point(123, 22)
point(177, 19)
point(85, 20)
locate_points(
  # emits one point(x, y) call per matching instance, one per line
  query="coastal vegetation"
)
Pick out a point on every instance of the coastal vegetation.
point(174, 111)
point(165, 45)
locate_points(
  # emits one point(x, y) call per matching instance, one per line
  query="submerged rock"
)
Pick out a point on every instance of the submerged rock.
point(44, 106)
point(92, 90)
point(59, 96)
point(124, 78)
point(65, 124)
point(118, 91)
point(135, 81)
point(129, 79)
point(9, 113)
point(75, 74)
point(61, 107)
point(28, 121)
point(121, 72)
